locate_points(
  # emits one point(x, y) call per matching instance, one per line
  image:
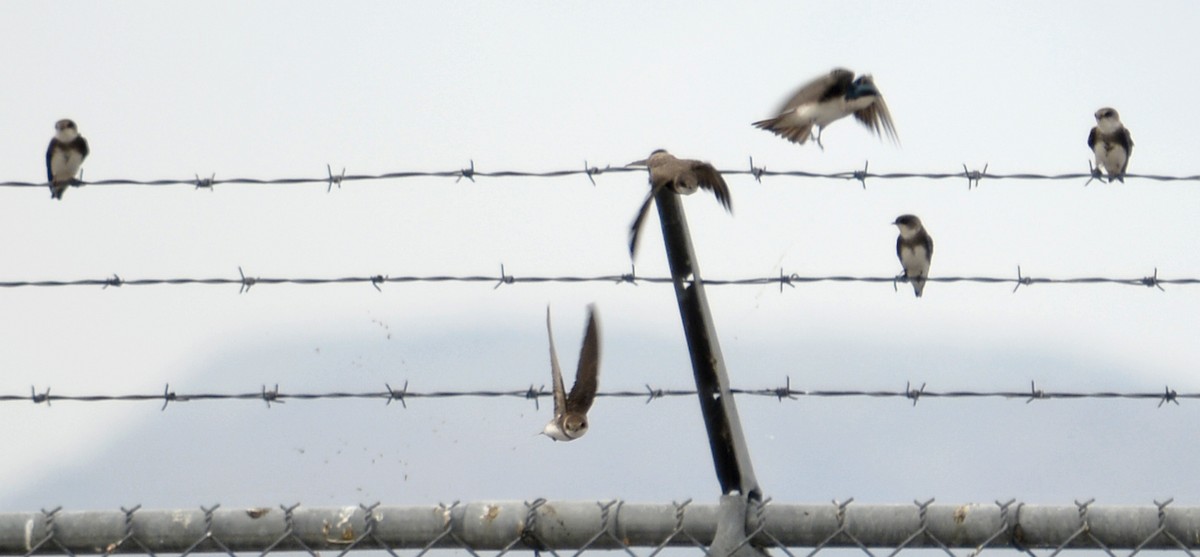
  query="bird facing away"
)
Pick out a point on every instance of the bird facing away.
point(570, 410)
point(826, 100)
point(64, 157)
point(683, 176)
point(1111, 144)
point(914, 247)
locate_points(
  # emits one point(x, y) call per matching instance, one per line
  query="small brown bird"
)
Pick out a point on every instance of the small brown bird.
point(914, 247)
point(683, 176)
point(64, 157)
point(1111, 144)
point(570, 411)
point(827, 99)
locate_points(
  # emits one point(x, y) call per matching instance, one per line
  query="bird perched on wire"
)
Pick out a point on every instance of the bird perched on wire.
point(1111, 144)
point(64, 157)
point(914, 247)
point(570, 410)
point(827, 99)
point(683, 176)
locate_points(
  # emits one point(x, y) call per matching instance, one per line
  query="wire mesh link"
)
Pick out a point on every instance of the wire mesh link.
point(553, 526)
point(470, 173)
point(650, 394)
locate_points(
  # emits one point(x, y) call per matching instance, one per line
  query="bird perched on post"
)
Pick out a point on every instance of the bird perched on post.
point(914, 247)
point(683, 176)
point(1111, 144)
point(64, 157)
point(826, 100)
point(570, 410)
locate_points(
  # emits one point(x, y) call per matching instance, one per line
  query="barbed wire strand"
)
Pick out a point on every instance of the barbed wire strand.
point(245, 281)
point(331, 179)
point(274, 395)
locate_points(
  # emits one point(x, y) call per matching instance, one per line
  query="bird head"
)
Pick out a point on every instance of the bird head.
point(656, 155)
point(66, 131)
point(864, 86)
point(1107, 112)
point(1107, 120)
point(575, 425)
point(909, 225)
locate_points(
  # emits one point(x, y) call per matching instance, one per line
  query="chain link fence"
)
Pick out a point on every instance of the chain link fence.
point(631, 528)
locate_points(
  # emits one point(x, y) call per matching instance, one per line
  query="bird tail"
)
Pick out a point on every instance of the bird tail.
point(57, 189)
point(636, 227)
point(918, 285)
point(790, 132)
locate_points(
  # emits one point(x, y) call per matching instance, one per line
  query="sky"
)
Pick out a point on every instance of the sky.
point(281, 89)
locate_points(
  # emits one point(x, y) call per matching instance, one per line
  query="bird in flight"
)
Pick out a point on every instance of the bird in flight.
point(570, 410)
point(827, 99)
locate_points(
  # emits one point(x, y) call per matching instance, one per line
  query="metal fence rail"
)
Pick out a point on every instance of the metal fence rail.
point(611, 525)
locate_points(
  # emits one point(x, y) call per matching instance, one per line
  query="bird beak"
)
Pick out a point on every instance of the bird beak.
point(638, 163)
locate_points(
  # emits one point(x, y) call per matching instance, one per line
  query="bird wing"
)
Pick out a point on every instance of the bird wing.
point(708, 178)
point(81, 145)
point(877, 118)
point(825, 87)
point(929, 246)
point(1093, 137)
point(587, 375)
point(560, 398)
point(1125, 140)
point(635, 228)
point(49, 155)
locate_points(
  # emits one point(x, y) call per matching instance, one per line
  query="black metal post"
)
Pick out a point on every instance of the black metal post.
point(730, 455)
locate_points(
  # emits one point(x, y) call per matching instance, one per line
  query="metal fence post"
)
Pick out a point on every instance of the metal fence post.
point(731, 458)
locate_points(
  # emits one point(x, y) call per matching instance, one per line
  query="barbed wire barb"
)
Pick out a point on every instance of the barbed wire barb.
point(393, 394)
point(206, 183)
point(168, 396)
point(468, 173)
point(1035, 393)
point(1169, 395)
point(974, 176)
point(756, 171)
point(334, 180)
point(590, 171)
point(246, 281)
point(861, 175)
point(1093, 174)
point(1152, 280)
point(504, 278)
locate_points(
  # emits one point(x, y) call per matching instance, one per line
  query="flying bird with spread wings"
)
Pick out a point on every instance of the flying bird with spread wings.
point(827, 99)
point(570, 410)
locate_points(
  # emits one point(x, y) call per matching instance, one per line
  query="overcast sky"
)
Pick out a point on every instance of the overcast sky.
point(280, 89)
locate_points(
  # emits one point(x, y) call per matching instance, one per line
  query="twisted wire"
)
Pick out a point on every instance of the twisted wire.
point(331, 179)
point(245, 281)
point(403, 395)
